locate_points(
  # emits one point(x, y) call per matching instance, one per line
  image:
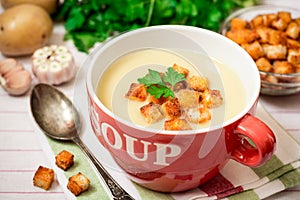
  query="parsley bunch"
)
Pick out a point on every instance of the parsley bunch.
point(91, 21)
point(156, 83)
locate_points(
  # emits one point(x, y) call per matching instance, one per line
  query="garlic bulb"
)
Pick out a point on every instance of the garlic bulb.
point(53, 64)
point(13, 77)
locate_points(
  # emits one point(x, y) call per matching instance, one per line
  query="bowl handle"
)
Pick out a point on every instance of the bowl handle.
point(257, 142)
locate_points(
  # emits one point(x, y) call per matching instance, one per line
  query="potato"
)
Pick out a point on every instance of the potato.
point(49, 5)
point(23, 29)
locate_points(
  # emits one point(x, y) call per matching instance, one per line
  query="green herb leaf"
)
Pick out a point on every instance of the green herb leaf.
point(158, 91)
point(76, 19)
point(173, 77)
point(152, 78)
point(83, 40)
point(156, 82)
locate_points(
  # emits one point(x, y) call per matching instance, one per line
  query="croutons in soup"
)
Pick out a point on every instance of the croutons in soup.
point(167, 90)
point(175, 97)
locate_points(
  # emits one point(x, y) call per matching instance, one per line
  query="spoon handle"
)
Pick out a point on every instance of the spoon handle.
point(117, 191)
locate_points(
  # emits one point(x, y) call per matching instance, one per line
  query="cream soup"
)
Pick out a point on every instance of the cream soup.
point(125, 70)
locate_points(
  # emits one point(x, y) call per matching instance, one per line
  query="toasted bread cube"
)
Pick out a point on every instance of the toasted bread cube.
point(292, 43)
point(198, 83)
point(257, 21)
point(271, 36)
point(284, 15)
point(283, 67)
point(263, 33)
point(177, 124)
point(242, 36)
point(171, 108)
point(137, 92)
point(78, 184)
point(279, 24)
point(262, 20)
point(297, 70)
point(152, 112)
point(188, 98)
point(160, 100)
point(264, 64)
point(237, 24)
point(275, 52)
point(64, 160)
point(268, 19)
point(198, 115)
point(254, 49)
point(181, 70)
point(276, 37)
point(211, 98)
point(271, 79)
point(180, 86)
point(43, 177)
point(297, 20)
point(293, 30)
point(294, 56)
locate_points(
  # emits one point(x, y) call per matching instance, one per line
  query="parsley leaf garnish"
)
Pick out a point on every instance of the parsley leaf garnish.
point(173, 77)
point(158, 91)
point(156, 82)
point(153, 77)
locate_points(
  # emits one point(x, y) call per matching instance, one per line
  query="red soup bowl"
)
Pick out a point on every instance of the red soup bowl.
point(172, 161)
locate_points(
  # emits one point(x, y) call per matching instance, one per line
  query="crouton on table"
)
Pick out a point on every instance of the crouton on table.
point(64, 160)
point(78, 184)
point(43, 177)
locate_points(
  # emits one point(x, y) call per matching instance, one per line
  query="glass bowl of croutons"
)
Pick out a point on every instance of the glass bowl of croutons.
point(271, 35)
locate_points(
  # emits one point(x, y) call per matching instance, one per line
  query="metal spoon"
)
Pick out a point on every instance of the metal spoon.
point(59, 119)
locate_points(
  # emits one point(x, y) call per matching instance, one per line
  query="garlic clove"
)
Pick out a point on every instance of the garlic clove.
point(13, 70)
point(69, 72)
point(6, 65)
point(42, 73)
point(40, 54)
point(13, 77)
point(56, 74)
point(17, 83)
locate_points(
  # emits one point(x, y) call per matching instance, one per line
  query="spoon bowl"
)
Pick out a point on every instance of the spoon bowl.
point(59, 119)
point(54, 113)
